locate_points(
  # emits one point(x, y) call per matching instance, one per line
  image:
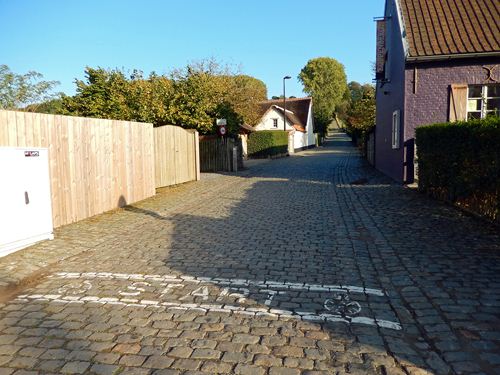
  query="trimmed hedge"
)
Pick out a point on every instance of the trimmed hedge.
point(263, 144)
point(460, 163)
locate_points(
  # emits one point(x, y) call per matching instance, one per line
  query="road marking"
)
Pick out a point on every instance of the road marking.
point(337, 305)
point(136, 288)
point(75, 288)
point(229, 309)
point(220, 281)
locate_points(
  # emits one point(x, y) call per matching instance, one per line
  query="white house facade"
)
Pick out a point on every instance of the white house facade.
point(299, 121)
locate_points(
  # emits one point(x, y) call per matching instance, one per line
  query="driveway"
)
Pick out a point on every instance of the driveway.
point(312, 264)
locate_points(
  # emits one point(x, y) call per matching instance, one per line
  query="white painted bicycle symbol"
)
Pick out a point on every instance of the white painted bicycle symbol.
point(75, 287)
point(341, 304)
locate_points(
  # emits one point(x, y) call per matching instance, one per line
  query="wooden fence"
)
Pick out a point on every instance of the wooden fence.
point(176, 155)
point(220, 154)
point(95, 165)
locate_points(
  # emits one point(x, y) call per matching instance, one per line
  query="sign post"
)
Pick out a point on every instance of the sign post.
point(222, 123)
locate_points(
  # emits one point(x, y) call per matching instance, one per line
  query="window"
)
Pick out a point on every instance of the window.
point(483, 101)
point(275, 122)
point(395, 129)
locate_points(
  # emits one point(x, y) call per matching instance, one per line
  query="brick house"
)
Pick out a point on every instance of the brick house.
point(437, 61)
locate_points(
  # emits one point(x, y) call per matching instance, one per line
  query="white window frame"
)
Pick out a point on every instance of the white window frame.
point(396, 126)
point(483, 100)
point(275, 123)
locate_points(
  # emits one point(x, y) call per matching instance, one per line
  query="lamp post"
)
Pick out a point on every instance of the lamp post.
point(284, 102)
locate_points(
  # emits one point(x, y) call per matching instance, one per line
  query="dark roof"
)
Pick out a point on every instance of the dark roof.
point(297, 110)
point(245, 128)
point(451, 27)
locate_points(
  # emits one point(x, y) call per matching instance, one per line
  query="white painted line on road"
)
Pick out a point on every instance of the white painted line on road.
point(220, 281)
point(229, 309)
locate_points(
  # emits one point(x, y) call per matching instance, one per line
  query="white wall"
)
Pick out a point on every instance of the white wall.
point(266, 123)
point(299, 139)
point(244, 144)
point(311, 138)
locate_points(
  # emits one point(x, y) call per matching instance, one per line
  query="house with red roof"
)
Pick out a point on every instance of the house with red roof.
point(297, 119)
point(437, 61)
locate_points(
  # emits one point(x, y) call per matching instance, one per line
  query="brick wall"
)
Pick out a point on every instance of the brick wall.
point(425, 101)
point(430, 103)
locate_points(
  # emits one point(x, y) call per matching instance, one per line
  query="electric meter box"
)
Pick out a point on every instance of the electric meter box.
point(25, 200)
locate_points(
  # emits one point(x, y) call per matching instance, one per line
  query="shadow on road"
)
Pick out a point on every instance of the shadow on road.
point(291, 238)
point(309, 220)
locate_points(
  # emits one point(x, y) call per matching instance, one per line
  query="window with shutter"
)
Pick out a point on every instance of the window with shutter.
point(458, 102)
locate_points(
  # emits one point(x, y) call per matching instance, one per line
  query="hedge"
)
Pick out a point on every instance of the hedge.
point(263, 144)
point(460, 163)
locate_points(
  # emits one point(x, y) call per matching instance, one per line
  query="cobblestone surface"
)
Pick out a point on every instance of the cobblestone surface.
point(313, 264)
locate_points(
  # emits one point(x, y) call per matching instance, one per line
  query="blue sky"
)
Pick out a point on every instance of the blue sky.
point(267, 39)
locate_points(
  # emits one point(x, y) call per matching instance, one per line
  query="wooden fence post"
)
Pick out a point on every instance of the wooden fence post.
point(197, 154)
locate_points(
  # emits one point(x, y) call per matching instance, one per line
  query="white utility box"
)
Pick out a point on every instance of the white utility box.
point(25, 201)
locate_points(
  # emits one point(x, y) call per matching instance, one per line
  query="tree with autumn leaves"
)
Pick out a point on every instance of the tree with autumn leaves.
point(192, 97)
point(361, 112)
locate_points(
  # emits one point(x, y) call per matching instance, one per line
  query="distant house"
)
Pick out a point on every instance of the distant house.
point(244, 131)
point(437, 61)
point(299, 121)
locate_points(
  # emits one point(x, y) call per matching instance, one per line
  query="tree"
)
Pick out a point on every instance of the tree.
point(51, 106)
point(20, 90)
point(114, 95)
point(191, 97)
point(207, 90)
point(244, 95)
point(325, 80)
point(200, 96)
point(149, 99)
point(361, 112)
point(355, 92)
point(361, 115)
point(103, 94)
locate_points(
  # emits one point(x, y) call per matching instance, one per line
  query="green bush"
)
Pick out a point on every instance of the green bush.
point(266, 143)
point(460, 163)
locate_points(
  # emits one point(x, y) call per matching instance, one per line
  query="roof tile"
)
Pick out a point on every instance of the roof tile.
point(297, 109)
point(444, 27)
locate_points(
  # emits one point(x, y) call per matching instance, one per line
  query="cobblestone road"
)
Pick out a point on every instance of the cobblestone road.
point(313, 264)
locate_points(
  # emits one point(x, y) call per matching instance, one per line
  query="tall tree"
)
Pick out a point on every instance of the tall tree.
point(325, 80)
point(149, 98)
point(103, 94)
point(361, 113)
point(199, 94)
point(245, 94)
point(20, 90)
point(191, 97)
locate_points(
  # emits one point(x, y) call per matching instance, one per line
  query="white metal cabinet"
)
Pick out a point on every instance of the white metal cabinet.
point(25, 200)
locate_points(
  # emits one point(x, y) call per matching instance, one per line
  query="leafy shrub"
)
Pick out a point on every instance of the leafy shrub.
point(266, 143)
point(460, 163)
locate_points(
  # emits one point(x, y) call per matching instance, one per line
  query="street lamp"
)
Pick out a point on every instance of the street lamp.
point(284, 102)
